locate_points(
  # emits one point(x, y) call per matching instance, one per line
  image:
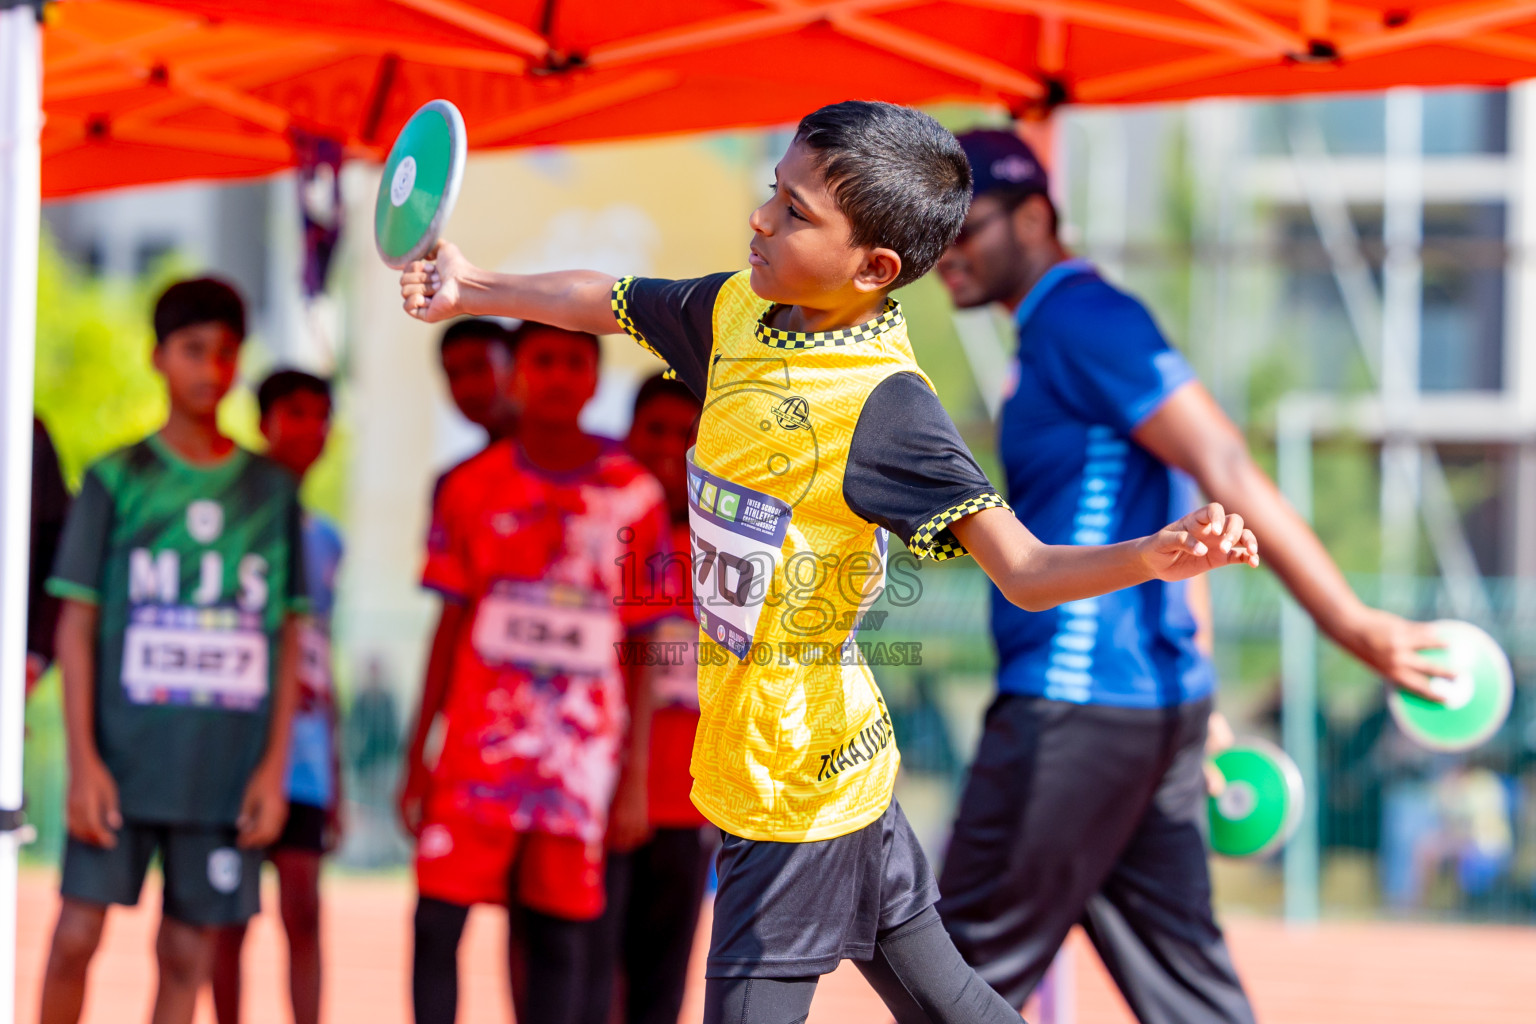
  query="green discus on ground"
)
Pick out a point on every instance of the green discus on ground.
point(1261, 806)
point(1475, 702)
point(420, 184)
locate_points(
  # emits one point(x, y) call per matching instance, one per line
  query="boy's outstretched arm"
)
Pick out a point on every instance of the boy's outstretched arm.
point(1038, 576)
point(449, 285)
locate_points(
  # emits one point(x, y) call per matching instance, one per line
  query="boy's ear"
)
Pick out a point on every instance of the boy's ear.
point(880, 269)
point(157, 357)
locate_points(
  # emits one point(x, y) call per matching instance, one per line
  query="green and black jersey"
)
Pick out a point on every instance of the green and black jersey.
point(194, 568)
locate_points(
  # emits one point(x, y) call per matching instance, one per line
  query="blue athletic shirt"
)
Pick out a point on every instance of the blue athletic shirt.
point(1092, 366)
point(312, 758)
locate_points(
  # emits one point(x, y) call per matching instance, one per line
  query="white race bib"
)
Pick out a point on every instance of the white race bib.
point(564, 629)
point(738, 542)
point(676, 681)
point(193, 655)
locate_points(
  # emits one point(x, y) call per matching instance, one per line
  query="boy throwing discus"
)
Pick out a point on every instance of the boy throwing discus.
point(820, 435)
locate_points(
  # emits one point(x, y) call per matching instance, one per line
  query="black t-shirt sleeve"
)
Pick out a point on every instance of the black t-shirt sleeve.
point(909, 471)
point(83, 547)
point(673, 320)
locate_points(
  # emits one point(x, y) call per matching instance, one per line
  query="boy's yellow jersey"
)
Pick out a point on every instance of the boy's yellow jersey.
point(794, 480)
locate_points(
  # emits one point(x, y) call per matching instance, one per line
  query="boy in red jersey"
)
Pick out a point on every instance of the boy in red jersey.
point(654, 890)
point(528, 547)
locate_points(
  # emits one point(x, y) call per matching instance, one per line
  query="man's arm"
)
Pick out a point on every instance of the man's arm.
point(434, 694)
point(449, 285)
point(264, 807)
point(1189, 431)
point(93, 809)
point(1038, 576)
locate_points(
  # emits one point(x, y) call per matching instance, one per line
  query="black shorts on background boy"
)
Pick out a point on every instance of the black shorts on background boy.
point(181, 573)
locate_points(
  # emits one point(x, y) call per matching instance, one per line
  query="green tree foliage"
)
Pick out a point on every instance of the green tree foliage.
point(95, 388)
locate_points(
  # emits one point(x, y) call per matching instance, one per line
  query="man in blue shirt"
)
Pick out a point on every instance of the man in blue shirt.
point(1085, 801)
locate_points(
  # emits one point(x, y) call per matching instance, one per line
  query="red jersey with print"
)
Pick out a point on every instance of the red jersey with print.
point(676, 684)
point(536, 714)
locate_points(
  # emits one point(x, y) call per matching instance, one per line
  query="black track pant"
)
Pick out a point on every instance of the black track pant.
point(557, 964)
point(1093, 815)
point(646, 933)
point(915, 970)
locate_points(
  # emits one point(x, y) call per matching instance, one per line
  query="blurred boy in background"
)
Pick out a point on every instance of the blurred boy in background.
point(529, 548)
point(654, 891)
point(182, 578)
point(476, 357)
point(296, 420)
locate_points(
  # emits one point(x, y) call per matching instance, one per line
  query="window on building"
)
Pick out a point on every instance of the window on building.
point(1461, 344)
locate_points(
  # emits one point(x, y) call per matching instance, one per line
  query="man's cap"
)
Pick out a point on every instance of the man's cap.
point(1001, 159)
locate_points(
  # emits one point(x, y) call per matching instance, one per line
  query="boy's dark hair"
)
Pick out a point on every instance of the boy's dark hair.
point(476, 329)
point(201, 301)
point(898, 175)
point(661, 386)
point(528, 328)
point(282, 383)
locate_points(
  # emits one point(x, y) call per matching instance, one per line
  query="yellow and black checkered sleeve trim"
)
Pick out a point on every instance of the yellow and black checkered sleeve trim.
point(620, 300)
point(935, 540)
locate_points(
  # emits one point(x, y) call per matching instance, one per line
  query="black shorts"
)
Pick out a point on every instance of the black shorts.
point(793, 910)
point(209, 881)
point(304, 830)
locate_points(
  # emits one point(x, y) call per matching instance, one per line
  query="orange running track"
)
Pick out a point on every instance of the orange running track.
point(1335, 973)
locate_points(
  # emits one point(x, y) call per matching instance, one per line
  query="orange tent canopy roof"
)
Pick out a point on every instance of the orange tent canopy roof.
point(140, 92)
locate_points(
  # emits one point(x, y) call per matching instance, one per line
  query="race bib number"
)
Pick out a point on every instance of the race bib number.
point(563, 629)
point(174, 655)
point(676, 681)
point(314, 658)
point(738, 542)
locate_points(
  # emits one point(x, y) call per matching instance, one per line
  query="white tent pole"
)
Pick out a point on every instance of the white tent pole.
point(20, 125)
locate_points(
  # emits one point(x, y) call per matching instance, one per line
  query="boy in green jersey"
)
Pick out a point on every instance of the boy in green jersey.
point(181, 574)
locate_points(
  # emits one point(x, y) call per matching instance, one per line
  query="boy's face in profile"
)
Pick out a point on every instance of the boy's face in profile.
point(296, 427)
point(479, 375)
point(659, 439)
point(802, 253)
point(554, 375)
point(198, 363)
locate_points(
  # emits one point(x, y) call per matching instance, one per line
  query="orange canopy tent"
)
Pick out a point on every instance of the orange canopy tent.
point(161, 90)
point(140, 92)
